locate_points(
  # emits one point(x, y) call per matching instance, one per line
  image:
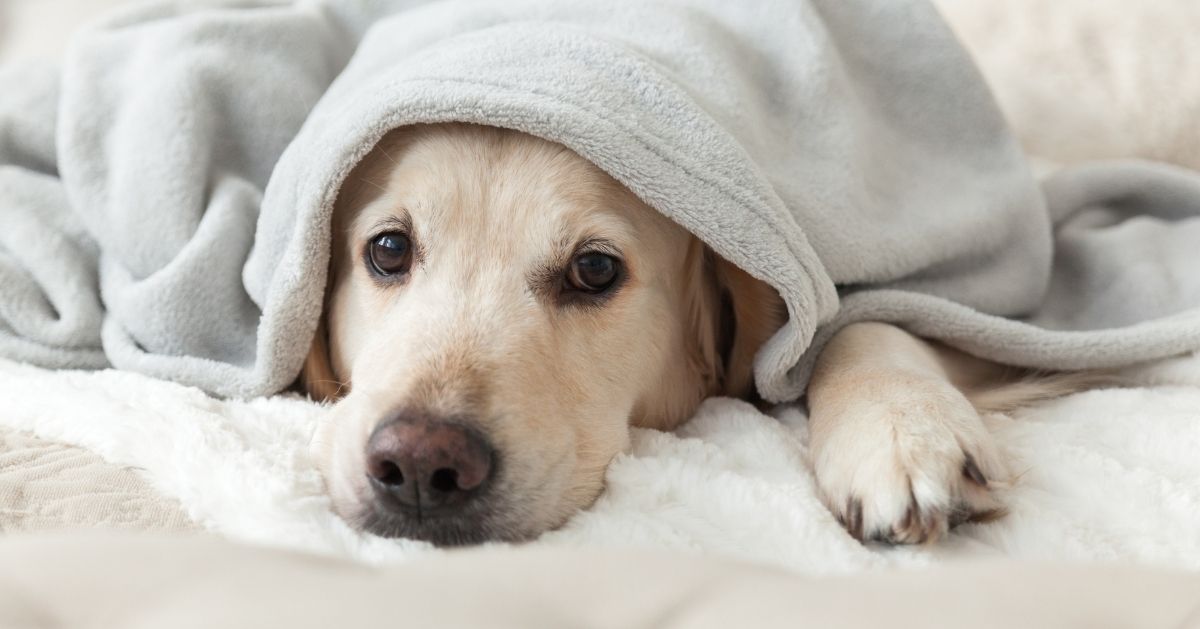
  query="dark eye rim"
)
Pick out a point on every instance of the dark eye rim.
point(576, 283)
point(569, 294)
point(372, 264)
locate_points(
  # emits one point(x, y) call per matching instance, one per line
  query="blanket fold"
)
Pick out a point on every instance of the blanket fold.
point(50, 307)
point(166, 196)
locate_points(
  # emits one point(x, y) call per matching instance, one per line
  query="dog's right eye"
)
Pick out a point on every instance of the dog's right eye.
point(390, 254)
point(593, 273)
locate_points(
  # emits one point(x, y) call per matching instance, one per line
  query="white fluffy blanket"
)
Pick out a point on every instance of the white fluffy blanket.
point(1104, 475)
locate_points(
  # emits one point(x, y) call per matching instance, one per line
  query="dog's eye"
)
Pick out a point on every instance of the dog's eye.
point(592, 272)
point(390, 253)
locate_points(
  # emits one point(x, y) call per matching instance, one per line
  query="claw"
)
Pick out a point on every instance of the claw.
point(971, 470)
point(854, 518)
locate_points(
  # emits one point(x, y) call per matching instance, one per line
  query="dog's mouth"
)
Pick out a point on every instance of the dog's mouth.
point(454, 530)
point(480, 521)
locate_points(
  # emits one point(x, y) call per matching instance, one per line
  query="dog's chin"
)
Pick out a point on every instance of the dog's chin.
point(440, 530)
point(488, 517)
point(460, 529)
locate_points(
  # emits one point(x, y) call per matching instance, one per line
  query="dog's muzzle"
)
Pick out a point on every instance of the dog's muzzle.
point(427, 477)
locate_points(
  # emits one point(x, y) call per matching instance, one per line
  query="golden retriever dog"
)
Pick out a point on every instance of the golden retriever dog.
point(500, 312)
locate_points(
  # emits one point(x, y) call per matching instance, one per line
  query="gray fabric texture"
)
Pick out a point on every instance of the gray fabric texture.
point(166, 194)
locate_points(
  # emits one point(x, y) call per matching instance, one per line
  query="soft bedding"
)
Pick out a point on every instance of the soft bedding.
point(46, 486)
point(1105, 475)
point(1108, 475)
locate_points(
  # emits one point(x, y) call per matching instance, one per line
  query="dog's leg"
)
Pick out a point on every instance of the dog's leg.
point(900, 454)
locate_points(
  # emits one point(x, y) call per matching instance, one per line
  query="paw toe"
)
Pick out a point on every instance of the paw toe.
point(925, 516)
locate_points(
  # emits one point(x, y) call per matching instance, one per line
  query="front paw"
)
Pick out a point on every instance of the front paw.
point(907, 469)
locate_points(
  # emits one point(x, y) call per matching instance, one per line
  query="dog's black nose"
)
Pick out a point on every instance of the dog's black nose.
point(426, 465)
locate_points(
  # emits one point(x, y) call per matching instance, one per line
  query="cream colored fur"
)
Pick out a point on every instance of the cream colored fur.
point(474, 332)
point(900, 451)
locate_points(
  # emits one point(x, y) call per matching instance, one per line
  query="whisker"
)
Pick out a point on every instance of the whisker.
point(340, 385)
point(389, 156)
point(365, 180)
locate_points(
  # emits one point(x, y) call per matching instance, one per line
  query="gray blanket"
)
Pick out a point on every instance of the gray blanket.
point(165, 195)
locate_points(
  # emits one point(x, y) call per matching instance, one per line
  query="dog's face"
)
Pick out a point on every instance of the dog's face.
point(500, 312)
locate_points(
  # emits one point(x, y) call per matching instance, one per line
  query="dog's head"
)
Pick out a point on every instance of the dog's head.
point(500, 311)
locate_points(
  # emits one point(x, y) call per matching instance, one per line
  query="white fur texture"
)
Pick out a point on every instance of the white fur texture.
point(1107, 475)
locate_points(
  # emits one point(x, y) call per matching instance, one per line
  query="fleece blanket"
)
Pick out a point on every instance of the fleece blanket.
point(1106, 475)
point(166, 193)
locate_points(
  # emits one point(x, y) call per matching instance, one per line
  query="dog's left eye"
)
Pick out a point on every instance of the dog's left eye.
point(593, 272)
point(390, 253)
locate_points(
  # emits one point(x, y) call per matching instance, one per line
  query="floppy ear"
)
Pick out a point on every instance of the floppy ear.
point(731, 314)
point(317, 377)
point(751, 312)
point(360, 187)
point(704, 320)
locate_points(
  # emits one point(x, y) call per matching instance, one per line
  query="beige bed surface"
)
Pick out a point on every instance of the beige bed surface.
point(125, 582)
point(51, 486)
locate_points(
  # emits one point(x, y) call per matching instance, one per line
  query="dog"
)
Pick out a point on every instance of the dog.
point(500, 312)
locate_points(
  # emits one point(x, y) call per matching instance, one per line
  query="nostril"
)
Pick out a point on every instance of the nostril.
point(390, 474)
point(444, 480)
point(413, 461)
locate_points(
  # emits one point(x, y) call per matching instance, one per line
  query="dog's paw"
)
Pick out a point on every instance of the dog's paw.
point(906, 464)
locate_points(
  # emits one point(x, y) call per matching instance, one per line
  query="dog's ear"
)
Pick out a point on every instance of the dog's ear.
point(363, 185)
point(317, 377)
point(705, 322)
point(731, 315)
point(751, 311)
